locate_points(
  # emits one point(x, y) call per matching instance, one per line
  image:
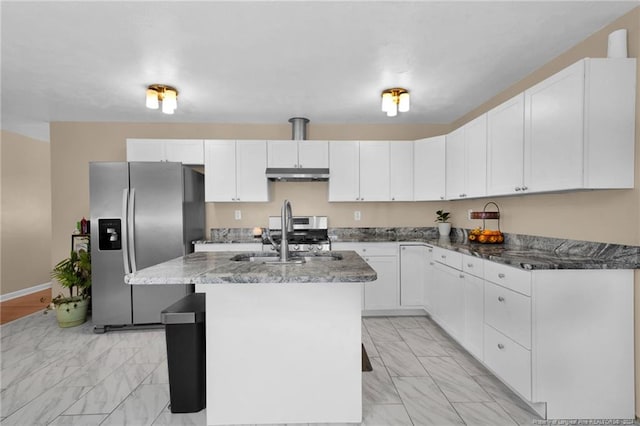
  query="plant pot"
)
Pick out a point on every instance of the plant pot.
point(444, 229)
point(70, 314)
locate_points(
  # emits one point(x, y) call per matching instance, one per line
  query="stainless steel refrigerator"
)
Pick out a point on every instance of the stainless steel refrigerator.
point(142, 214)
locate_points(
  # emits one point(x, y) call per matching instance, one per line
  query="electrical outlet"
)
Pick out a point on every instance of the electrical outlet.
point(357, 215)
point(469, 214)
point(238, 214)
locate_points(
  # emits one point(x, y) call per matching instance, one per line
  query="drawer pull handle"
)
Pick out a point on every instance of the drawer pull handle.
point(469, 265)
point(443, 256)
point(500, 346)
point(501, 275)
point(500, 299)
point(461, 276)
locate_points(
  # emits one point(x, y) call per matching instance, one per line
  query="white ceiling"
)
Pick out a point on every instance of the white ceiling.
point(264, 62)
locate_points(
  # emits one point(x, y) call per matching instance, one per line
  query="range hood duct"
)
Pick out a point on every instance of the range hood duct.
point(295, 174)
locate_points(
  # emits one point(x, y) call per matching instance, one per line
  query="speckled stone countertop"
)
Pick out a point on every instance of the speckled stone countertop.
point(217, 268)
point(522, 251)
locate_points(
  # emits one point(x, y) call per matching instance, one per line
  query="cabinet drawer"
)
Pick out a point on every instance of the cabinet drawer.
point(509, 312)
point(473, 265)
point(508, 276)
point(448, 257)
point(370, 249)
point(508, 360)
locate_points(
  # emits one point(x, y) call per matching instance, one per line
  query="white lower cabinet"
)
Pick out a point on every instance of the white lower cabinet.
point(381, 294)
point(429, 282)
point(412, 275)
point(449, 301)
point(562, 339)
point(508, 360)
point(473, 314)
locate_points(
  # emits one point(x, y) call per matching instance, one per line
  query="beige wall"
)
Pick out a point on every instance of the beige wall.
point(610, 216)
point(25, 256)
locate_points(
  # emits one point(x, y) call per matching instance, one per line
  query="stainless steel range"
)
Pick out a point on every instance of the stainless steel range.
point(309, 234)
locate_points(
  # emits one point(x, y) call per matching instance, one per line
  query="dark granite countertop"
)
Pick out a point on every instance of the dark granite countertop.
point(522, 251)
point(219, 268)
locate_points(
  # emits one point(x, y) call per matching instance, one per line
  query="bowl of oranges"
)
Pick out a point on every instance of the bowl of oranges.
point(486, 236)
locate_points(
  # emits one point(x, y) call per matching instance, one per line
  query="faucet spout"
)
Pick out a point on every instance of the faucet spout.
point(286, 217)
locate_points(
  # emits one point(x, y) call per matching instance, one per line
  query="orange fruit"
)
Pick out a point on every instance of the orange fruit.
point(472, 237)
point(493, 238)
point(482, 238)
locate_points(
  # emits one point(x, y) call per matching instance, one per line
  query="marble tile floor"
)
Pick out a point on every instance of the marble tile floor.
point(420, 377)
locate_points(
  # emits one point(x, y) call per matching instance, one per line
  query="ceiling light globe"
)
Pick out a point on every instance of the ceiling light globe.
point(404, 102)
point(387, 101)
point(152, 99)
point(392, 111)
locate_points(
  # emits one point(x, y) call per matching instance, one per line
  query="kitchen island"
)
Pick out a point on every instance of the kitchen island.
point(283, 340)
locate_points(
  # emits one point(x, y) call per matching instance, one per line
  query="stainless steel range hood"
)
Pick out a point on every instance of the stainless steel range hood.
point(295, 174)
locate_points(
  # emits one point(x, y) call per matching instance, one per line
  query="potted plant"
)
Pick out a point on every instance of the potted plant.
point(444, 227)
point(73, 272)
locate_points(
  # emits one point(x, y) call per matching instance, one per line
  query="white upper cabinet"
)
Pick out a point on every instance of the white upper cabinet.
point(304, 153)
point(429, 169)
point(313, 154)
point(235, 171)
point(359, 171)
point(579, 127)
point(186, 151)
point(401, 170)
point(505, 147)
point(574, 130)
point(475, 137)
point(282, 154)
point(344, 169)
point(455, 164)
point(374, 171)
point(466, 160)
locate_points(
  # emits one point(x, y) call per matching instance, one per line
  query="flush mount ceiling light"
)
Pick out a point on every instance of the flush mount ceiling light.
point(168, 95)
point(394, 100)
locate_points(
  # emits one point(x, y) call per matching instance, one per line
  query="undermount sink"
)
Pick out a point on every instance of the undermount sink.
point(294, 258)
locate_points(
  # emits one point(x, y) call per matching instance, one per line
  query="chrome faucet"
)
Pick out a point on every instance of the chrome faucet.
point(287, 226)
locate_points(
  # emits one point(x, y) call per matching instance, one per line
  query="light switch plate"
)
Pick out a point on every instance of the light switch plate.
point(238, 214)
point(357, 215)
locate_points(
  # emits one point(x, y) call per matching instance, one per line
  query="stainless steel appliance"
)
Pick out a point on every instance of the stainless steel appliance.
point(309, 234)
point(141, 214)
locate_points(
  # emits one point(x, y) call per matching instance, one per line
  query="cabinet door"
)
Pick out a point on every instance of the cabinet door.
point(374, 171)
point(185, 151)
point(412, 275)
point(344, 169)
point(554, 132)
point(475, 141)
point(282, 153)
point(473, 314)
point(313, 154)
point(145, 150)
point(450, 300)
point(429, 169)
point(220, 170)
point(505, 129)
point(383, 292)
point(455, 164)
point(429, 285)
point(401, 170)
point(251, 162)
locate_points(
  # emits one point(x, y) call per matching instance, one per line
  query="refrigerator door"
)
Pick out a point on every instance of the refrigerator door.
point(111, 297)
point(157, 233)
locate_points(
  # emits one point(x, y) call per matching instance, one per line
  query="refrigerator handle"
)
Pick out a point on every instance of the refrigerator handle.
point(131, 229)
point(125, 237)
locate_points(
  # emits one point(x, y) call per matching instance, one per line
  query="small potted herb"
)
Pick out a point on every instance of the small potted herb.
point(444, 227)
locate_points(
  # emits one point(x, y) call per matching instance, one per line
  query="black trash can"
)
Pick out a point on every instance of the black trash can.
point(184, 330)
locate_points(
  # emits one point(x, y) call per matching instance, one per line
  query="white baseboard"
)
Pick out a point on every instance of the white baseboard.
point(24, 292)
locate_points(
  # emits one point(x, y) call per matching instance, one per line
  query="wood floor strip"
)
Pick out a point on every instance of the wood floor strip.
point(25, 305)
